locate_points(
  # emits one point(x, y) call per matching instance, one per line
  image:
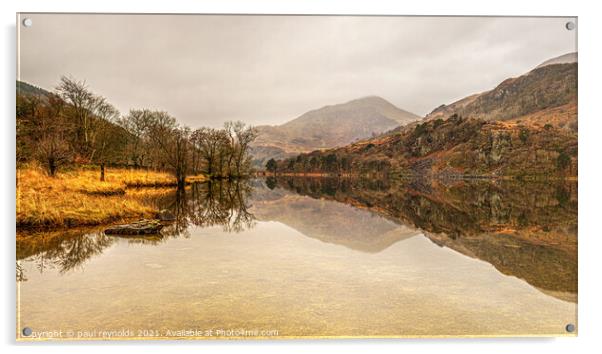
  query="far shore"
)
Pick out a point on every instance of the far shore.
point(430, 176)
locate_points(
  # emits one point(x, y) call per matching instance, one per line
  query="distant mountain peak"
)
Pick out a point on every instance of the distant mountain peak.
point(330, 126)
point(373, 99)
point(567, 58)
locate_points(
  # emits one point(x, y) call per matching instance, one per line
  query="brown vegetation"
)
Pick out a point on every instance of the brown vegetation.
point(73, 126)
point(78, 197)
point(456, 146)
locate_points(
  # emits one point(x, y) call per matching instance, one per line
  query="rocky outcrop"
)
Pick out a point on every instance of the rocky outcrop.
point(141, 227)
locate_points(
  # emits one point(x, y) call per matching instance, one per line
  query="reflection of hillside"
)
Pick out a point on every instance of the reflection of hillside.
point(329, 221)
point(550, 269)
point(524, 229)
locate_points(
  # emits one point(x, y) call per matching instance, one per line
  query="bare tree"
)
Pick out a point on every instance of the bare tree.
point(107, 142)
point(136, 123)
point(244, 137)
point(172, 142)
point(207, 141)
point(82, 106)
point(52, 146)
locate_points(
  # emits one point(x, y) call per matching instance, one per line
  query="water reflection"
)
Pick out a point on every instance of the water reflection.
point(378, 240)
point(528, 230)
point(61, 250)
point(202, 205)
point(223, 203)
point(524, 229)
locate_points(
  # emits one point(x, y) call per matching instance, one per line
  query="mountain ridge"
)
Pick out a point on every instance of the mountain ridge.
point(329, 126)
point(567, 58)
point(545, 87)
point(525, 126)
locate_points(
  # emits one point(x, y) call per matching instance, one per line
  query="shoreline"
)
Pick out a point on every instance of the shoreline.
point(459, 177)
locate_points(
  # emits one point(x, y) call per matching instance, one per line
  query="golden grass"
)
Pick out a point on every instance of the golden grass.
point(80, 198)
point(125, 177)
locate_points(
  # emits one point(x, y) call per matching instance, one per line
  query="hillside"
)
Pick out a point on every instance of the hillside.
point(524, 126)
point(552, 84)
point(328, 127)
point(23, 88)
point(452, 147)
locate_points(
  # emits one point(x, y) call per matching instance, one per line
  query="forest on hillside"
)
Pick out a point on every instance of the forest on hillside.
point(73, 127)
point(456, 146)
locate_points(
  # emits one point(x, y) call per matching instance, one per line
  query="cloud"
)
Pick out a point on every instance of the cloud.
point(207, 69)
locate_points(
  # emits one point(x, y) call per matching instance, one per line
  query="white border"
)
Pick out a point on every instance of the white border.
point(590, 130)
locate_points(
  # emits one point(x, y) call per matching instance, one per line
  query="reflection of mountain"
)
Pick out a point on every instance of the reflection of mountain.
point(328, 127)
point(329, 221)
point(528, 230)
point(524, 229)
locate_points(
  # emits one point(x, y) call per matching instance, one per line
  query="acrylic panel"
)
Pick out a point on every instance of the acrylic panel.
point(291, 176)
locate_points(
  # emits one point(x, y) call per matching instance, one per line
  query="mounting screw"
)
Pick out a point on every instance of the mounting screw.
point(570, 328)
point(570, 25)
point(27, 22)
point(27, 331)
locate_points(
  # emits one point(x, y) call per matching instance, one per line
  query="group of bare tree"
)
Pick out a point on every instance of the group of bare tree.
point(75, 126)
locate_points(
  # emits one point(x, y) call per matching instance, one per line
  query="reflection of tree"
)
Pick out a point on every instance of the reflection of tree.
point(270, 182)
point(20, 272)
point(213, 203)
point(74, 253)
point(64, 250)
point(203, 204)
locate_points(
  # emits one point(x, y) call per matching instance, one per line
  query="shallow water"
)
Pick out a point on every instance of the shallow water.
point(287, 262)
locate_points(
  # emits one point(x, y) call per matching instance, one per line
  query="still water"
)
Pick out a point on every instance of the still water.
point(304, 257)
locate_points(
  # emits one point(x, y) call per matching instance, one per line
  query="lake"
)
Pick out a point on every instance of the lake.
point(316, 257)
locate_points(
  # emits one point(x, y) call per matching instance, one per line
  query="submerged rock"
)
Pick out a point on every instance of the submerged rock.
point(166, 215)
point(141, 227)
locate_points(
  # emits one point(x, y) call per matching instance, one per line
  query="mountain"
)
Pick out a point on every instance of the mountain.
point(453, 147)
point(545, 95)
point(563, 59)
point(524, 126)
point(328, 127)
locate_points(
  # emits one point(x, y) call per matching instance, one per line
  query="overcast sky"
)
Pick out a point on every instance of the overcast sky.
point(206, 70)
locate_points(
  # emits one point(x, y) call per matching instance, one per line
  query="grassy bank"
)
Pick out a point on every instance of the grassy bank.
point(79, 198)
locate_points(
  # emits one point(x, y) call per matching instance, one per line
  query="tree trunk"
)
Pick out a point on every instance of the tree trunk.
point(51, 167)
point(181, 182)
point(102, 172)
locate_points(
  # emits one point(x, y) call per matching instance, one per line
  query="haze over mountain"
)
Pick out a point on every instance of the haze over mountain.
point(545, 95)
point(562, 59)
point(329, 127)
